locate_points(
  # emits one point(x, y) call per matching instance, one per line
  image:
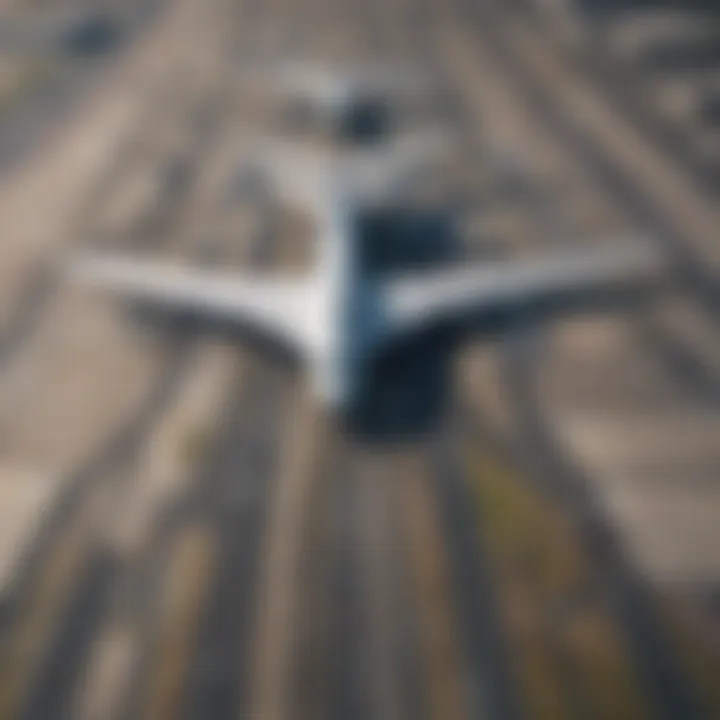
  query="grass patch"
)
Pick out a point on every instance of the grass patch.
point(569, 653)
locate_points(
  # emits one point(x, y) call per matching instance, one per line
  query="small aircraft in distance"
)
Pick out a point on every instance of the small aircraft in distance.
point(339, 317)
point(359, 104)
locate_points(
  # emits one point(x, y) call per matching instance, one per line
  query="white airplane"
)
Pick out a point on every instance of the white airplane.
point(338, 318)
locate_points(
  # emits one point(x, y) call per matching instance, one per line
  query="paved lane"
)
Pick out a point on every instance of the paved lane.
point(233, 552)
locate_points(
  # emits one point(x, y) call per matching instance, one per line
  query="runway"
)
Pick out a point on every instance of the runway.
point(203, 541)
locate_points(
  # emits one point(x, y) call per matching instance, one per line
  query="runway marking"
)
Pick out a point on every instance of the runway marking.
point(175, 445)
point(25, 495)
point(186, 586)
point(109, 669)
point(445, 671)
point(164, 475)
point(312, 661)
point(277, 596)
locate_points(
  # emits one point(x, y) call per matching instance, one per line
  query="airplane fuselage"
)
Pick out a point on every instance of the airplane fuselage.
point(341, 321)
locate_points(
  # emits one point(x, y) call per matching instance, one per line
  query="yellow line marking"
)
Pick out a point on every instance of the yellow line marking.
point(185, 591)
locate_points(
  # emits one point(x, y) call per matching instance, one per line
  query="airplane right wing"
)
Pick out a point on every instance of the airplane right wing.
point(536, 289)
point(271, 308)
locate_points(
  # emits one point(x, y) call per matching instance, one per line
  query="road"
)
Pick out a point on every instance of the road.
point(193, 537)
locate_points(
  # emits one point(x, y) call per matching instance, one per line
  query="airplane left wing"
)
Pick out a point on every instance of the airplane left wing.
point(537, 289)
point(272, 308)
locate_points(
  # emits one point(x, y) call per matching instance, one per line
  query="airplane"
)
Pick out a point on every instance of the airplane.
point(340, 317)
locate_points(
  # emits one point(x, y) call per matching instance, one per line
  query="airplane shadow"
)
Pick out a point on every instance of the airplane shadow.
point(406, 389)
point(406, 392)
